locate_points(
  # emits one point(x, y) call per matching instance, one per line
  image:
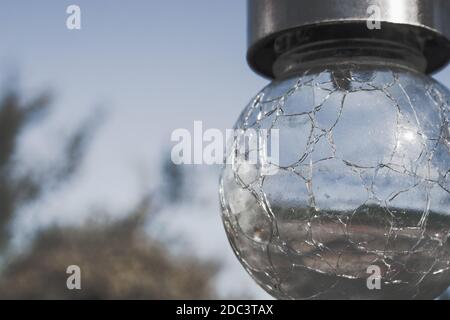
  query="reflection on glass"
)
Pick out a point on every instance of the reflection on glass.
point(363, 180)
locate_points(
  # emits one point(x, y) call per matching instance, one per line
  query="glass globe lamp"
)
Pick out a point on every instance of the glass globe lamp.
point(357, 203)
point(363, 179)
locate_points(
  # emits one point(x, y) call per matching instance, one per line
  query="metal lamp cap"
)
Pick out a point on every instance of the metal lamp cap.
point(277, 26)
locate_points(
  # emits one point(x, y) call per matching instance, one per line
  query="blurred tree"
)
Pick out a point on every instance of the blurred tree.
point(173, 181)
point(117, 259)
point(17, 191)
point(14, 192)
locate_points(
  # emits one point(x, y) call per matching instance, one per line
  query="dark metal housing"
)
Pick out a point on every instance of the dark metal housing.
point(416, 30)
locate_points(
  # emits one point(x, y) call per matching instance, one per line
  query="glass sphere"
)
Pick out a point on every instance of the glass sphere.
point(359, 204)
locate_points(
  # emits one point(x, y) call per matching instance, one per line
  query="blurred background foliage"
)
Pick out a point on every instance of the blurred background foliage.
point(118, 260)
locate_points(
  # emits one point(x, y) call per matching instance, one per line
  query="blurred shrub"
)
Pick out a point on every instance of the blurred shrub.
point(117, 260)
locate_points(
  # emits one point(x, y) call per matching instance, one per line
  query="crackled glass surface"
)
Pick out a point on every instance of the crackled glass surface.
point(362, 180)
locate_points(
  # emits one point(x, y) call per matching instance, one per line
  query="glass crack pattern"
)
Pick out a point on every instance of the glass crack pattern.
point(362, 180)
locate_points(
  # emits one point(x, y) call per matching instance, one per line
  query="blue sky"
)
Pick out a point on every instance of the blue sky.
point(153, 66)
